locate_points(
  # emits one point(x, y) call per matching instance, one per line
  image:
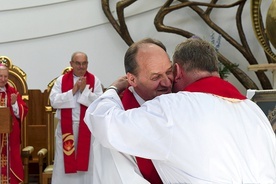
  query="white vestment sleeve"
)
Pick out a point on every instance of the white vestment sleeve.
point(111, 166)
point(191, 137)
point(61, 100)
point(95, 104)
point(15, 109)
point(144, 132)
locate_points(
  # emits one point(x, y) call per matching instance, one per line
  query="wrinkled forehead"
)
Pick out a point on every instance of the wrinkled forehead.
point(4, 72)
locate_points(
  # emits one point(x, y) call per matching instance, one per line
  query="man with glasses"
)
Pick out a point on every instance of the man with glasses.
point(71, 94)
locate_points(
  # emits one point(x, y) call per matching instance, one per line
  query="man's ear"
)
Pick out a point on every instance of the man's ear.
point(131, 79)
point(177, 72)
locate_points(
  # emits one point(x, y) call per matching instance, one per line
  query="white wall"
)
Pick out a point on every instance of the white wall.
point(39, 36)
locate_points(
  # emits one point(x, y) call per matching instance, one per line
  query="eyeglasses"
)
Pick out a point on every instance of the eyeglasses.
point(85, 63)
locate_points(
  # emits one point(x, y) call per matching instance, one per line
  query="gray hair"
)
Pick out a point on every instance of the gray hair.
point(196, 54)
point(78, 52)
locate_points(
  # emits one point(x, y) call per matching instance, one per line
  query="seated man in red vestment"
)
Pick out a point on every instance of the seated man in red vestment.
point(11, 164)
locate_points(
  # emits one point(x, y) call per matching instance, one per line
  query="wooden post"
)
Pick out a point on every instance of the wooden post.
point(265, 67)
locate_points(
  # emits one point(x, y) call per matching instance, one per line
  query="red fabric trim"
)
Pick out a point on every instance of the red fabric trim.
point(128, 100)
point(68, 140)
point(84, 133)
point(216, 86)
point(72, 162)
point(146, 166)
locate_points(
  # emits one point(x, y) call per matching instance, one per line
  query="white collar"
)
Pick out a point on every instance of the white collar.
point(137, 97)
point(3, 89)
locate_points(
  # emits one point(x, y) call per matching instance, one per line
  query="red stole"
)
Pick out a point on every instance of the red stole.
point(216, 86)
point(146, 166)
point(80, 161)
point(3, 99)
point(4, 141)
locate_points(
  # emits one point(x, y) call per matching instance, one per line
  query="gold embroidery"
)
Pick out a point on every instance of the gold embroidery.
point(4, 179)
point(68, 143)
point(4, 160)
point(233, 100)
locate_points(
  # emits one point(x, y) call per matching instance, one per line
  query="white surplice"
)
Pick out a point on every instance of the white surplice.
point(190, 137)
point(60, 101)
point(113, 167)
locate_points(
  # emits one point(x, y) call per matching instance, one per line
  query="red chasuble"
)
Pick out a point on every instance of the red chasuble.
point(75, 162)
point(216, 86)
point(146, 166)
point(12, 167)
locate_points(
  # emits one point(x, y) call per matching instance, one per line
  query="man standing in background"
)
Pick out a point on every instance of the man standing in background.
point(71, 94)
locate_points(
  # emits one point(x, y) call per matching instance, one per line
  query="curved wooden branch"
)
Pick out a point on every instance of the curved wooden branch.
point(245, 51)
point(159, 18)
point(121, 5)
point(243, 47)
point(205, 15)
point(248, 54)
point(120, 27)
point(241, 76)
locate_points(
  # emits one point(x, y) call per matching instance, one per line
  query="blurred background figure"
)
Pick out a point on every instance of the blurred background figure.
point(11, 163)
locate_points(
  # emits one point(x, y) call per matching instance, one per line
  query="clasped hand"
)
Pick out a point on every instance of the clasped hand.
point(79, 85)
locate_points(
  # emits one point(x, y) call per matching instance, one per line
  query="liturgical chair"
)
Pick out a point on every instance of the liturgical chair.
point(47, 154)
